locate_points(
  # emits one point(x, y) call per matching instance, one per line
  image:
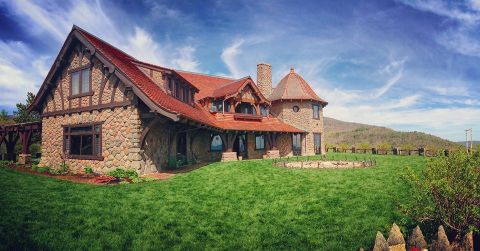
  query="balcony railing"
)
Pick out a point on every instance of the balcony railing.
point(244, 116)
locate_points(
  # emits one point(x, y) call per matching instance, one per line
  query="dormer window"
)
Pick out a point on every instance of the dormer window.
point(80, 83)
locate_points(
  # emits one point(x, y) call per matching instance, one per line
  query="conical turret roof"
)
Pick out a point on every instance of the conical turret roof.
point(294, 87)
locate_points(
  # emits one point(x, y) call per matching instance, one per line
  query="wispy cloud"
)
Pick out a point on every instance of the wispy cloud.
point(229, 57)
point(396, 65)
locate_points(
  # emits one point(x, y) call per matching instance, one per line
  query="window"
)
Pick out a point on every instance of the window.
point(170, 84)
point(264, 110)
point(216, 145)
point(297, 144)
point(259, 142)
point(217, 106)
point(83, 141)
point(80, 83)
point(296, 108)
point(317, 143)
point(316, 111)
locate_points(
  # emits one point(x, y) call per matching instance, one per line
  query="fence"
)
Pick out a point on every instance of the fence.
point(421, 151)
point(416, 241)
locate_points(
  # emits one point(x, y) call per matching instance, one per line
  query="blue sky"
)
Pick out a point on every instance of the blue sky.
point(408, 65)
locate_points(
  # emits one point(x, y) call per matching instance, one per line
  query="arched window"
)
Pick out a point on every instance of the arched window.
point(216, 144)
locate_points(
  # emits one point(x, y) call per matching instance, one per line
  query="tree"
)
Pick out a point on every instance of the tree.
point(4, 118)
point(446, 192)
point(364, 145)
point(22, 115)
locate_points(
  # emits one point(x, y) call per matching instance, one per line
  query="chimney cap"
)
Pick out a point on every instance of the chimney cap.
point(263, 64)
point(292, 70)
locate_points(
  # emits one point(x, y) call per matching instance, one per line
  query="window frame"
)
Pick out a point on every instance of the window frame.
point(261, 136)
point(318, 111)
point(80, 79)
point(296, 106)
point(94, 156)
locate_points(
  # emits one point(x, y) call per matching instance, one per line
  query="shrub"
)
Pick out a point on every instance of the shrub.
point(447, 192)
point(4, 163)
point(122, 173)
point(344, 147)
point(34, 149)
point(407, 147)
point(88, 170)
point(34, 167)
point(64, 167)
point(364, 145)
point(384, 146)
point(43, 169)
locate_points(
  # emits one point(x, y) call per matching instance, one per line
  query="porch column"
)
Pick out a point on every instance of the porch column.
point(228, 154)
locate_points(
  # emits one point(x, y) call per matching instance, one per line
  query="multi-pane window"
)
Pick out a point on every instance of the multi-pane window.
point(216, 145)
point(317, 143)
point(260, 142)
point(297, 143)
point(316, 111)
point(83, 141)
point(80, 84)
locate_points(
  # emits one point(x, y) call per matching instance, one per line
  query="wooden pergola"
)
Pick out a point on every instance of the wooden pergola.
point(10, 134)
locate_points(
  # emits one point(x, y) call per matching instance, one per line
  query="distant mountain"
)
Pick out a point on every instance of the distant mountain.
point(475, 142)
point(353, 134)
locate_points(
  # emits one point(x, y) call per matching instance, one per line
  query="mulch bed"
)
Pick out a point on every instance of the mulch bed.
point(85, 178)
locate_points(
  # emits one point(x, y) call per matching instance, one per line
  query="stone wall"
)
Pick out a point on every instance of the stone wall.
point(120, 139)
point(303, 119)
point(252, 152)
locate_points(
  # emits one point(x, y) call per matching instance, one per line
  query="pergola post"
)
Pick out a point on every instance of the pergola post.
point(273, 151)
point(228, 140)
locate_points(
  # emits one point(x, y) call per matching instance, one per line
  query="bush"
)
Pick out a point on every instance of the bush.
point(447, 192)
point(343, 147)
point(122, 173)
point(43, 169)
point(88, 170)
point(384, 147)
point(64, 167)
point(4, 163)
point(34, 149)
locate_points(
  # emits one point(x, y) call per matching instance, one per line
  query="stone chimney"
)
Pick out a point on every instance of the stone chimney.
point(264, 79)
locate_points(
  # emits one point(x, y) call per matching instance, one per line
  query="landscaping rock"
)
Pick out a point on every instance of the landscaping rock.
point(380, 243)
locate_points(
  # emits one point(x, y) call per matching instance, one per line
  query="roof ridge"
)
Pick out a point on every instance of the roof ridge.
point(232, 82)
point(205, 74)
point(75, 27)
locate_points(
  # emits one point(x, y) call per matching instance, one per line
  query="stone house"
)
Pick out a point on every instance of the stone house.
point(103, 108)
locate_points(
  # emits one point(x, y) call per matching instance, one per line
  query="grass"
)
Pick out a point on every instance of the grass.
point(236, 205)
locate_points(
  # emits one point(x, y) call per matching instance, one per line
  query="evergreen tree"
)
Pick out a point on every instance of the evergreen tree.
point(22, 115)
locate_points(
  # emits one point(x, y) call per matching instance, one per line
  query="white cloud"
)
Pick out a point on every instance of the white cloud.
point(185, 59)
point(395, 65)
point(442, 8)
point(23, 69)
point(229, 57)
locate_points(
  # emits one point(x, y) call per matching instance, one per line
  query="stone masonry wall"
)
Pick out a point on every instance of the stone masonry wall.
point(252, 152)
point(121, 127)
point(120, 139)
point(303, 119)
point(264, 79)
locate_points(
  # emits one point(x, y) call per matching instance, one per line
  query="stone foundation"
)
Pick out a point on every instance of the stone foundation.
point(272, 154)
point(25, 159)
point(229, 156)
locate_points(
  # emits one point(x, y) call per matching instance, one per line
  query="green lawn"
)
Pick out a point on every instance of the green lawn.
point(236, 205)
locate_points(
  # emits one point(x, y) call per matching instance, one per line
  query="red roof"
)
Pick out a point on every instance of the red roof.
point(294, 87)
point(206, 84)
